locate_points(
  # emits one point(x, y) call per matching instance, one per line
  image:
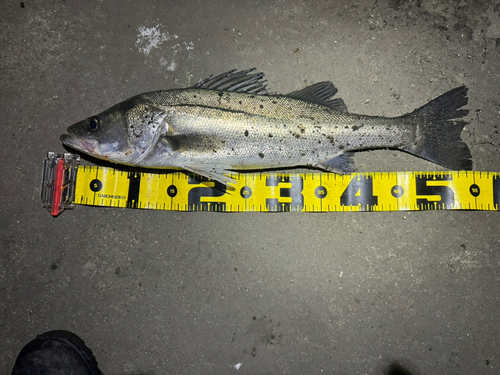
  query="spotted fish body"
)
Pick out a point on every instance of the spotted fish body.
point(230, 123)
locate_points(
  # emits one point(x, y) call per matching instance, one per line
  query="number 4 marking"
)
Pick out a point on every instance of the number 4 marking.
point(359, 193)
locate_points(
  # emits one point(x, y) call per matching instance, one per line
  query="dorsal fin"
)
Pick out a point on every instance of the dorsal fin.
point(235, 81)
point(320, 93)
point(241, 81)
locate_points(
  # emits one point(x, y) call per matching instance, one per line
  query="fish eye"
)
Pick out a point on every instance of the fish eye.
point(93, 123)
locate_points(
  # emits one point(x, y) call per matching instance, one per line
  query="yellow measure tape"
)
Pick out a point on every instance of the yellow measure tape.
point(277, 192)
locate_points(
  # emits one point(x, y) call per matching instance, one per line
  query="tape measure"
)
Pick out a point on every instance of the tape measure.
point(266, 192)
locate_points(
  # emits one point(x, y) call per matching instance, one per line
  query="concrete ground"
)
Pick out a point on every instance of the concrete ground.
point(188, 293)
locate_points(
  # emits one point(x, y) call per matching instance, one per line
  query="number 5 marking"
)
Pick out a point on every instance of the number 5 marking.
point(445, 193)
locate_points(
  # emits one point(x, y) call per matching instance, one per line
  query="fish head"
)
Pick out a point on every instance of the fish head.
point(122, 134)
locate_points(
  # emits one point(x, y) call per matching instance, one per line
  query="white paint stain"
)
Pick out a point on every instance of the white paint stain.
point(151, 37)
point(172, 66)
point(189, 45)
point(163, 61)
point(237, 366)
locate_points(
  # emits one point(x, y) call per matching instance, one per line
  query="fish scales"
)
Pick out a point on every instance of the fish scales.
point(261, 131)
point(230, 122)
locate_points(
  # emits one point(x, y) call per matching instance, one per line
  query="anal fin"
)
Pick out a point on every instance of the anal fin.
point(340, 164)
point(215, 174)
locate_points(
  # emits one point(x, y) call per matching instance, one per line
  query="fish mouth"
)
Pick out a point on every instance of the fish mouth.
point(78, 143)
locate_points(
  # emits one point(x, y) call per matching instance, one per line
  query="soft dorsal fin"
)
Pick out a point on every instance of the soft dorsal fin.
point(320, 93)
point(236, 82)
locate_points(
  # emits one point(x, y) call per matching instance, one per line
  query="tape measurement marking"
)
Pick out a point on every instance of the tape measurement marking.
point(278, 192)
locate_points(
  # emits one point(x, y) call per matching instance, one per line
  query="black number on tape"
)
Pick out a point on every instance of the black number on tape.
point(95, 185)
point(320, 192)
point(397, 191)
point(496, 192)
point(196, 193)
point(172, 191)
point(359, 193)
point(447, 197)
point(294, 192)
point(474, 190)
point(246, 192)
point(133, 189)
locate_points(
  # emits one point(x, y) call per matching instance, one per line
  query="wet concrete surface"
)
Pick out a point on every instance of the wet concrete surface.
point(155, 292)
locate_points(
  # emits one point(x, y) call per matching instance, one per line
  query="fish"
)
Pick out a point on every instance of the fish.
point(230, 122)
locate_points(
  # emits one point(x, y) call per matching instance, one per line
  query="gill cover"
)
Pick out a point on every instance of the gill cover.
point(145, 126)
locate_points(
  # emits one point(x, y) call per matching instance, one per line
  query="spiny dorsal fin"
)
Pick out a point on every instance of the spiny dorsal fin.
point(236, 82)
point(320, 93)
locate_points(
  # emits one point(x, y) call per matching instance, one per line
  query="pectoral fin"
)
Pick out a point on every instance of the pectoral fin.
point(212, 173)
point(341, 164)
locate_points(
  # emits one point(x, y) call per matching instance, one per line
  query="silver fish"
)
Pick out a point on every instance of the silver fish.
point(230, 122)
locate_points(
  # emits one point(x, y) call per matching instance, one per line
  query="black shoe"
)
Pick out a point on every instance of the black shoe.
point(56, 352)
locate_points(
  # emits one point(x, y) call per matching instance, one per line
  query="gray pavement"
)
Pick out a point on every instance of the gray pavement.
point(191, 293)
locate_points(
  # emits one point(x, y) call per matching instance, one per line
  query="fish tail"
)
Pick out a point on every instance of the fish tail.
point(439, 126)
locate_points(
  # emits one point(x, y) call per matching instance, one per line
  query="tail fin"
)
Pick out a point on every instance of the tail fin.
point(438, 137)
